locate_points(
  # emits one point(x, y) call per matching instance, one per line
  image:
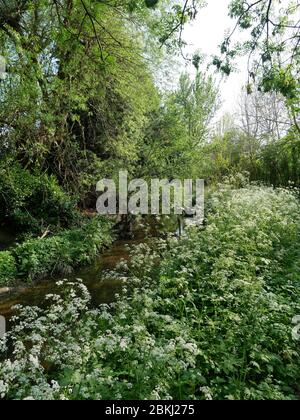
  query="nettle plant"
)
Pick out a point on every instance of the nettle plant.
point(205, 317)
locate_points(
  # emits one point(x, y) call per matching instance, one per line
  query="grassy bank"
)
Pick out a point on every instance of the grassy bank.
point(60, 253)
point(213, 320)
point(33, 203)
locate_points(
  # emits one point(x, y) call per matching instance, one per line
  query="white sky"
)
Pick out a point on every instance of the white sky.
point(206, 34)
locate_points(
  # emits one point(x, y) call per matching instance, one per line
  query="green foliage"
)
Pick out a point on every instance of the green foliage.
point(78, 89)
point(279, 162)
point(176, 132)
point(281, 80)
point(272, 46)
point(37, 258)
point(212, 321)
point(151, 3)
point(8, 269)
point(195, 103)
point(275, 162)
point(77, 97)
point(205, 317)
point(32, 202)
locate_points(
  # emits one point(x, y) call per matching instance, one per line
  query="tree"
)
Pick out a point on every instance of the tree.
point(195, 102)
point(273, 47)
point(177, 131)
point(263, 116)
point(78, 87)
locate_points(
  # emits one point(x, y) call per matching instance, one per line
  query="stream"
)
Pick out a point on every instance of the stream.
point(101, 287)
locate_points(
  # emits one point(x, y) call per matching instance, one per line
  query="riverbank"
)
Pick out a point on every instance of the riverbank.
point(102, 288)
point(37, 258)
point(206, 317)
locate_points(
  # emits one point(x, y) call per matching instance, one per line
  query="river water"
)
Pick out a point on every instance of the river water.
point(101, 287)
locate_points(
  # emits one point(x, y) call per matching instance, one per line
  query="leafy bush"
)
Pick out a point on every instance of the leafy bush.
point(37, 258)
point(32, 202)
point(8, 269)
point(213, 320)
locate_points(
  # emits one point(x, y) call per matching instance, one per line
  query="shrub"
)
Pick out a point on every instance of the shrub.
point(61, 253)
point(32, 202)
point(8, 269)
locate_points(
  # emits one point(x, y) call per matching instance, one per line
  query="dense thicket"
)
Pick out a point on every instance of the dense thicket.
point(79, 100)
point(77, 89)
